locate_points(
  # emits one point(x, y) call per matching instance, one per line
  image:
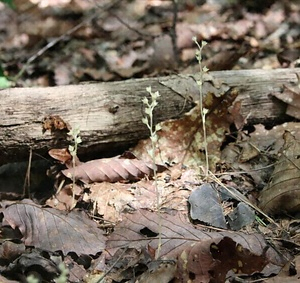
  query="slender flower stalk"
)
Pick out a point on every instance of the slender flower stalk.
point(203, 111)
point(74, 134)
point(148, 121)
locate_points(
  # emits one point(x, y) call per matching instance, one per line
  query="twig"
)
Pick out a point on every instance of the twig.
point(26, 187)
point(110, 269)
point(173, 31)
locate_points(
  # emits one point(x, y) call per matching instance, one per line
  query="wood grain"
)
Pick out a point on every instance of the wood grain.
point(109, 114)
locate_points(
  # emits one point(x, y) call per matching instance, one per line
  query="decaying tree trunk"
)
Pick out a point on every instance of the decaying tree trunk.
point(109, 115)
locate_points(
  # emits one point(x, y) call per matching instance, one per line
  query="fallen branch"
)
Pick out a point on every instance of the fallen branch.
point(109, 115)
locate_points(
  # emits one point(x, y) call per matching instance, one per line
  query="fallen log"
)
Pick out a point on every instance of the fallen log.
point(109, 115)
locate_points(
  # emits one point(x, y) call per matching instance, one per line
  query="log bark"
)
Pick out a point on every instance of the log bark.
point(109, 115)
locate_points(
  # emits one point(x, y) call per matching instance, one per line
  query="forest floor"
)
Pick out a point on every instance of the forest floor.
point(123, 219)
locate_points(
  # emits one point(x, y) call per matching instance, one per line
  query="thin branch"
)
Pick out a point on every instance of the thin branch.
point(173, 31)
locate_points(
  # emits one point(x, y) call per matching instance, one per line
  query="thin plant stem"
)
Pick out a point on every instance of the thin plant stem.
point(148, 121)
point(74, 133)
point(203, 111)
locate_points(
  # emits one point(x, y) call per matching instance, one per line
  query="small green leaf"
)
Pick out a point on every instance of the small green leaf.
point(9, 3)
point(5, 83)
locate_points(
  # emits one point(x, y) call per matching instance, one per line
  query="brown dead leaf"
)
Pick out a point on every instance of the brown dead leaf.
point(235, 115)
point(289, 273)
point(181, 141)
point(162, 271)
point(226, 60)
point(248, 153)
point(282, 194)
point(288, 57)
point(64, 198)
point(189, 245)
point(61, 154)
point(111, 199)
point(54, 230)
point(163, 57)
point(291, 96)
point(33, 261)
point(230, 256)
point(9, 250)
point(195, 261)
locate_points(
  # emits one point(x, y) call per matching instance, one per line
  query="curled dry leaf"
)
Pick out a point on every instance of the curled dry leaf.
point(61, 154)
point(55, 230)
point(282, 194)
point(111, 170)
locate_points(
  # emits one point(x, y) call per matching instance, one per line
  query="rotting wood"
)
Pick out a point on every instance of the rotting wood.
point(109, 115)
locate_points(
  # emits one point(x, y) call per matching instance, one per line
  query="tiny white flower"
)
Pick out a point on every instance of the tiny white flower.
point(145, 100)
point(157, 127)
point(148, 111)
point(154, 138)
point(145, 120)
point(155, 95)
point(205, 111)
point(150, 152)
point(154, 104)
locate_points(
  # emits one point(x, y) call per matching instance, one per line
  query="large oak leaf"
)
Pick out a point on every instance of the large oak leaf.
point(54, 230)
